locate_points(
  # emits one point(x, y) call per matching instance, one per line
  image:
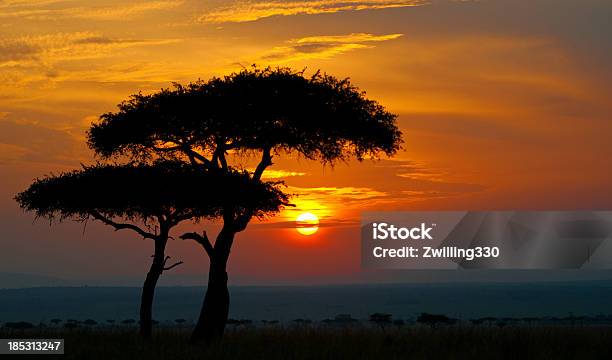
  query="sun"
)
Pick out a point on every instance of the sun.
point(307, 223)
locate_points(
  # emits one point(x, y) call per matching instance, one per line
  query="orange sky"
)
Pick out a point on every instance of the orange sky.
point(503, 105)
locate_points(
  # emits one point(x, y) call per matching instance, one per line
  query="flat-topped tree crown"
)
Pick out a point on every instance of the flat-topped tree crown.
point(318, 116)
point(164, 191)
point(255, 110)
point(159, 194)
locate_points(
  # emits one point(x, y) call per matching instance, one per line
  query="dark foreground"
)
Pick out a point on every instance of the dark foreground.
point(414, 342)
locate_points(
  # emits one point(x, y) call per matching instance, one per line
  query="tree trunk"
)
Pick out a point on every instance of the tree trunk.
point(215, 309)
point(148, 289)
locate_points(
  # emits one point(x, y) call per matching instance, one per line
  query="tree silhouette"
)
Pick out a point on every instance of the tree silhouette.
point(159, 196)
point(264, 111)
point(381, 319)
point(19, 325)
point(435, 319)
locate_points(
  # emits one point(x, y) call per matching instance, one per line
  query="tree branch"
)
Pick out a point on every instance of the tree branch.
point(192, 159)
point(121, 226)
point(200, 239)
point(171, 266)
point(266, 160)
point(215, 159)
point(166, 149)
point(177, 217)
point(222, 159)
point(218, 157)
point(192, 153)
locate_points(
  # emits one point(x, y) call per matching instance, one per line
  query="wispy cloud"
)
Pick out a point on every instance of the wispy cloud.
point(17, 3)
point(324, 201)
point(29, 59)
point(45, 10)
point(252, 11)
point(292, 224)
point(324, 47)
point(415, 170)
point(345, 193)
point(15, 50)
point(121, 12)
point(280, 174)
point(339, 193)
point(66, 46)
point(48, 145)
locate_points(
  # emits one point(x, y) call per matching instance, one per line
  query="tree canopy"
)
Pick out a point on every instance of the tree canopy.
point(320, 117)
point(178, 139)
point(167, 190)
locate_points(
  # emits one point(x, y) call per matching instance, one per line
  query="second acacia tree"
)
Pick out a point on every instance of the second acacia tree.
point(149, 199)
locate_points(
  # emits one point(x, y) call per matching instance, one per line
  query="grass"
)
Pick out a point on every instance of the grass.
point(411, 342)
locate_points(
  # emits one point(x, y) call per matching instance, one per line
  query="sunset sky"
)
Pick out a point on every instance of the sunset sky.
point(504, 105)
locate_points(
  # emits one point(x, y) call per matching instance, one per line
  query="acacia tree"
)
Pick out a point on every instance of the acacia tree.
point(150, 200)
point(264, 111)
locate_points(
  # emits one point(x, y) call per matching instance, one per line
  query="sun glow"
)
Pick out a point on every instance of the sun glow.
point(307, 223)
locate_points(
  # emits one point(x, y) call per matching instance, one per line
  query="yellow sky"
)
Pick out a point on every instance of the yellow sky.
point(503, 105)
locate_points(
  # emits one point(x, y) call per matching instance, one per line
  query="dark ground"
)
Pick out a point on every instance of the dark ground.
point(411, 342)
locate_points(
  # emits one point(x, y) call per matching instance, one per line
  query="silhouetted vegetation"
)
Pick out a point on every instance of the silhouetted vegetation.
point(381, 319)
point(19, 325)
point(340, 320)
point(159, 196)
point(399, 322)
point(269, 343)
point(435, 319)
point(264, 111)
point(301, 321)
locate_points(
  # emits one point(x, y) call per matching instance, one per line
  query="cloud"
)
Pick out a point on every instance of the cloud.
point(292, 224)
point(280, 174)
point(351, 38)
point(417, 177)
point(412, 196)
point(41, 144)
point(252, 11)
point(344, 193)
point(14, 50)
point(420, 171)
point(16, 3)
point(325, 202)
point(44, 10)
point(29, 59)
point(324, 47)
point(66, 46)
point(322, 200)
point(123, 12)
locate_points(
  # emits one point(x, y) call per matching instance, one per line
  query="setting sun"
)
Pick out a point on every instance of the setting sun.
point(307, 223)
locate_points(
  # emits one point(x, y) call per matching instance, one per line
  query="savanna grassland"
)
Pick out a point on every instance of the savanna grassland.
point(410, 342)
